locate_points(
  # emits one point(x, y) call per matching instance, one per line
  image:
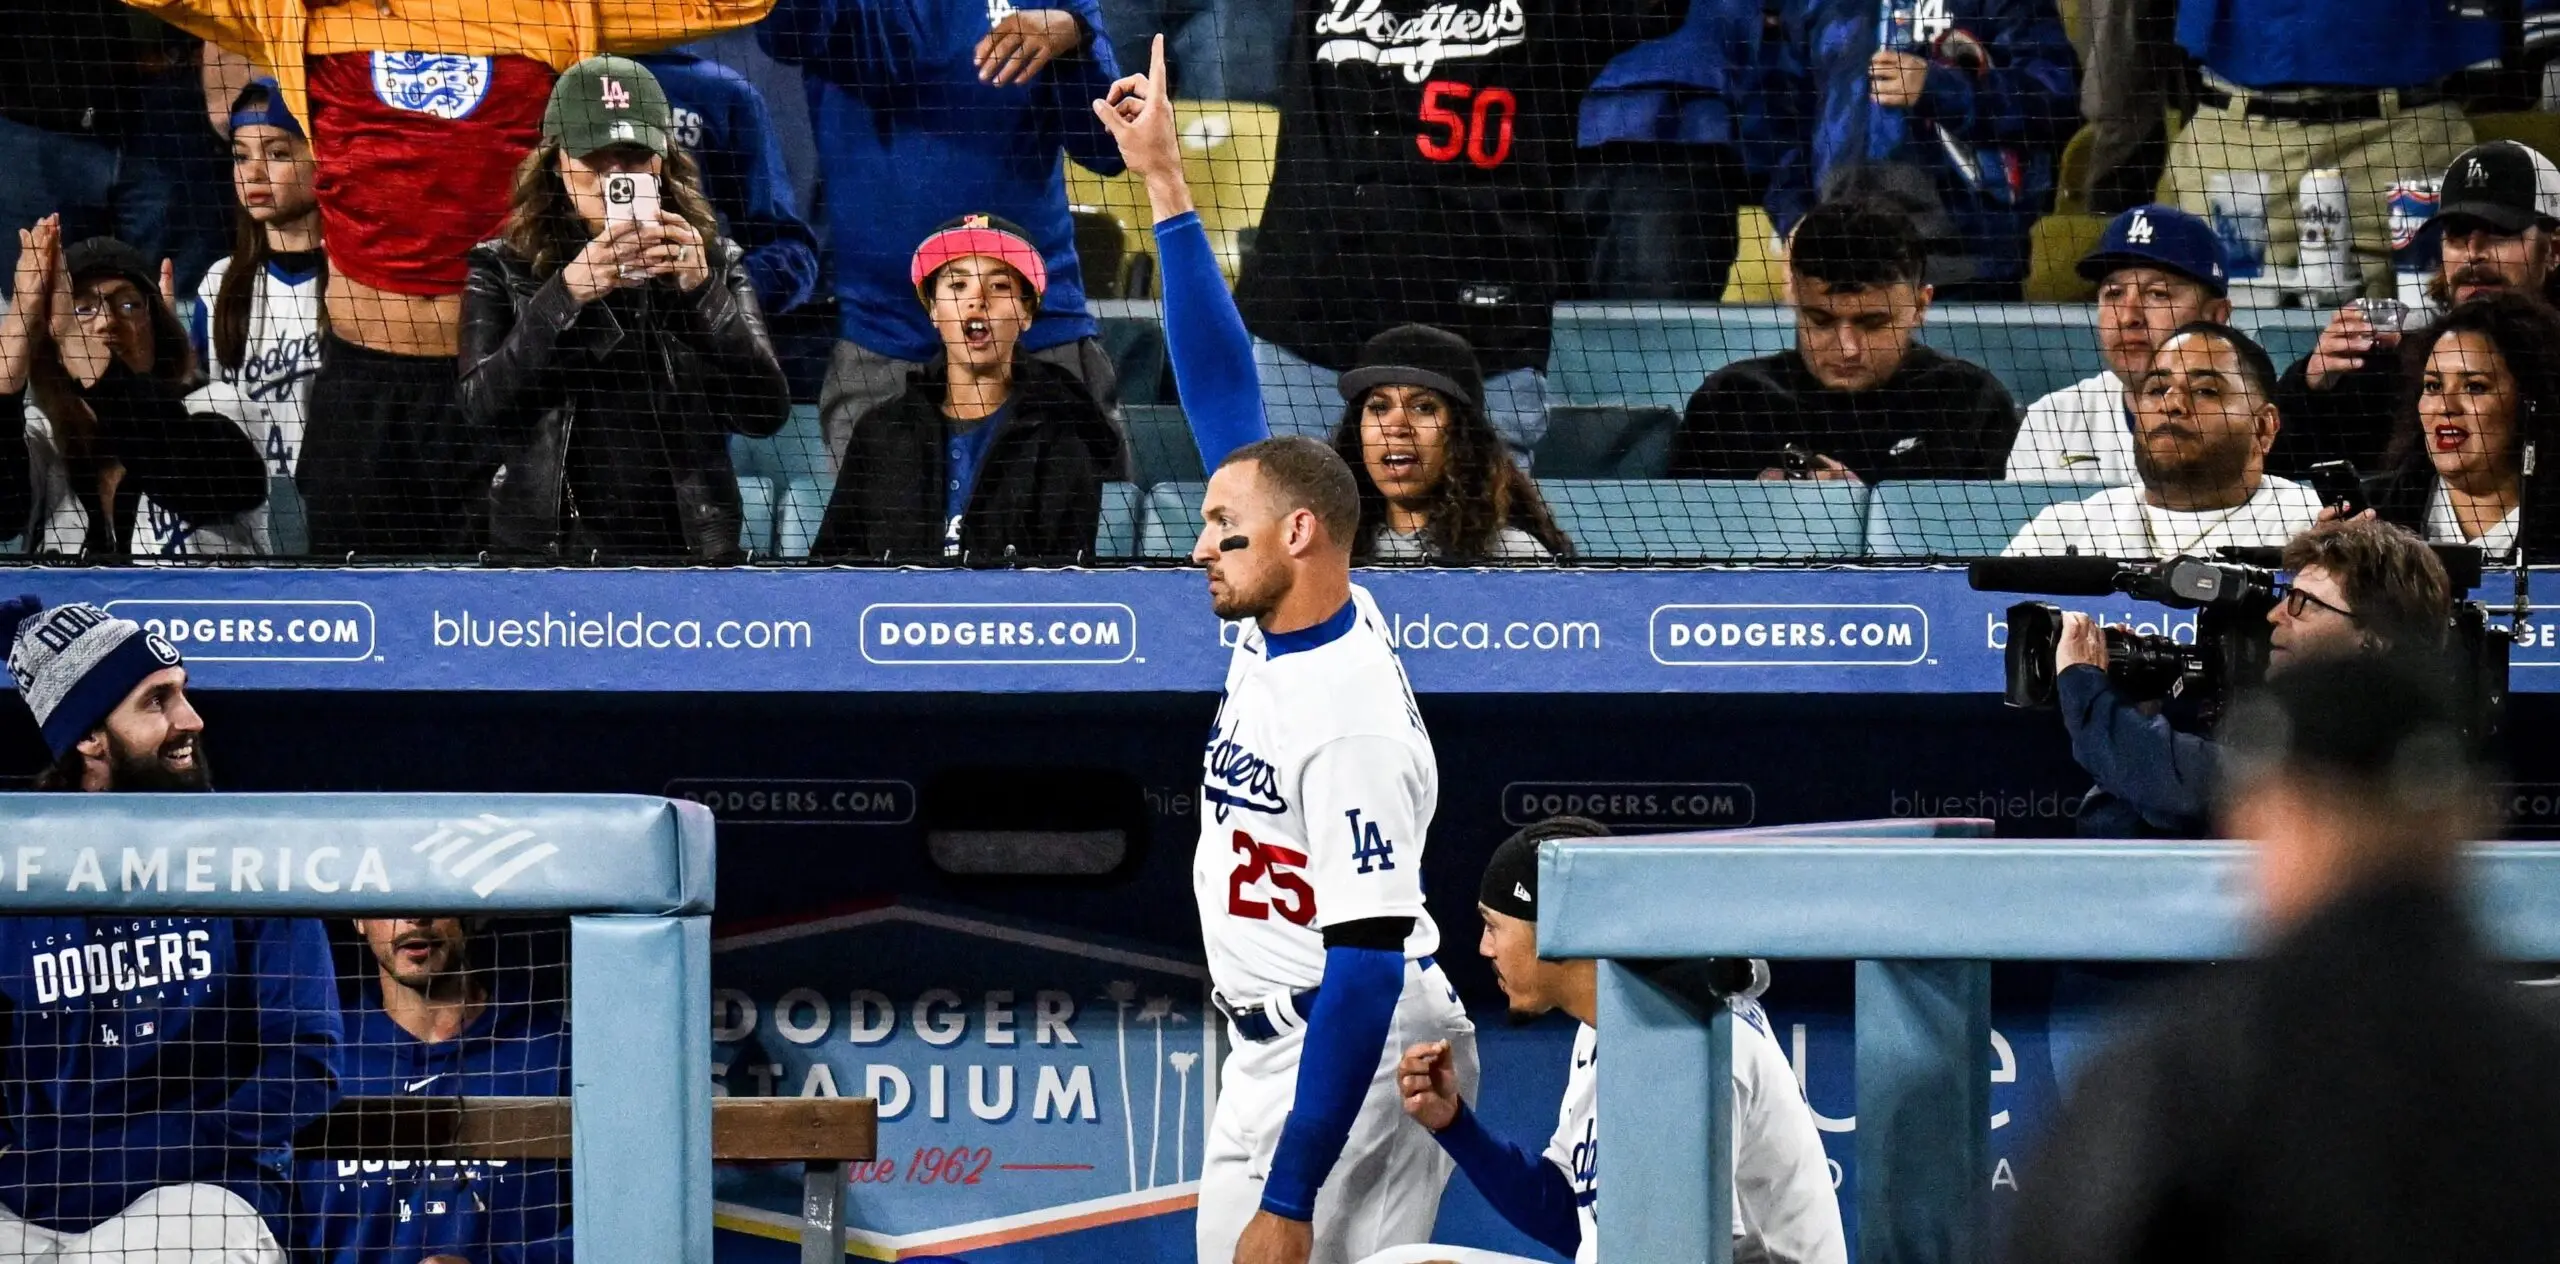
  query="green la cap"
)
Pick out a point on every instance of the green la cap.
point(606, 101)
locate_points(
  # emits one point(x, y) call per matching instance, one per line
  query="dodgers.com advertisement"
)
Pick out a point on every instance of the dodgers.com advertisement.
point(1843, 630)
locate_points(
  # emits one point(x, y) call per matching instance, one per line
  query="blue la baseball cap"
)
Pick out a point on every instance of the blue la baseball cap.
point(2156, 236)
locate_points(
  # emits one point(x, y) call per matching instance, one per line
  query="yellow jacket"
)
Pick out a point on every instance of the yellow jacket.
point(277, 35)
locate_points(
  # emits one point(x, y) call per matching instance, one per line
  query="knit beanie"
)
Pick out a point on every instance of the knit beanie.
point(76, 663)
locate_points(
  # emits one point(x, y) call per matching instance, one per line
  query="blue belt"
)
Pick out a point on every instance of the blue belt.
point(1255, 1023)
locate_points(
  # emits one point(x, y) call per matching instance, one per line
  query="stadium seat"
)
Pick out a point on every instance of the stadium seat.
point(1160, 443)
point(1654, 354)
point(1958, 518)
point(755, 527)
point(1229, 149)
point(1136, 347)
point(2535, 129)
point(1102, 252)
point(1606, 441)
point(797, 450)
point(1171, 521)
point(802, 508)
point(1758, 274)
point(1117, 535)
point(1668, 519)
point(2054, 248)
point(288, 523)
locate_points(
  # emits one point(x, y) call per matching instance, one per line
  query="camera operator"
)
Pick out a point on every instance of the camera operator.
point(2358, 587)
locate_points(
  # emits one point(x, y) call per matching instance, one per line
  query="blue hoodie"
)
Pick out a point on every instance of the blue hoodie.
point(1989, 138)
point(722, 120)
point(145, 1051)
point(908, 138)
point(495, 1211)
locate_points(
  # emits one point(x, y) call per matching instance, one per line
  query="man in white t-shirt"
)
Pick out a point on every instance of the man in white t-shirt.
point(1784, 1209)
point(2204, 418)
point(1316, 792)
point(2157, 268)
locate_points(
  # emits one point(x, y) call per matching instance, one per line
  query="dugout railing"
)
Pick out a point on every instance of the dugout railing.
point(632, 874)
point(1924, 915)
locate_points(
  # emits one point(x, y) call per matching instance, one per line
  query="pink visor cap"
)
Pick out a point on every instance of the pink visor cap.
point(979, 235)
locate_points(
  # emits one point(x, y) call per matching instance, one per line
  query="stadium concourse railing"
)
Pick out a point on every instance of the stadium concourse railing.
point(1924, 908)
point(633, 874)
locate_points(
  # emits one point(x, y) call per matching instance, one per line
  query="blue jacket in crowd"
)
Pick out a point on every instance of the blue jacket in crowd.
point(149, 1051)
point(1988, 138)
point(2367, 44)
point(2153, 780)
point(1685, 88)
point(722, 119)
point(907, 138)
point(495, 1211)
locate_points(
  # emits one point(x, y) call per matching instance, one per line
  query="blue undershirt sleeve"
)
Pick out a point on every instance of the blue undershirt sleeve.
point(1533, 1194)
point(1204, 335)
point(1345, 1036)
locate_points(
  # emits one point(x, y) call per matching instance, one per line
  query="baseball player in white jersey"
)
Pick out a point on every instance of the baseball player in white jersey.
point(1784, 1210)
point(1316, 792)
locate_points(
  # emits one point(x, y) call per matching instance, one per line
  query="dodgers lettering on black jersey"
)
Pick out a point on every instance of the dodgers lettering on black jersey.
point(148, 1051)
point(488, 1211)
point(1419, 176)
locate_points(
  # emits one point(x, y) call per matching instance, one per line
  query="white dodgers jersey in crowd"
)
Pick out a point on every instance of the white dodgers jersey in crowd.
point(1783, 1205)
point(1315, 793)
point(263, 393)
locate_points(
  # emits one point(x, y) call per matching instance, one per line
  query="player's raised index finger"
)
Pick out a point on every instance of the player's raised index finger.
point(1155, 69)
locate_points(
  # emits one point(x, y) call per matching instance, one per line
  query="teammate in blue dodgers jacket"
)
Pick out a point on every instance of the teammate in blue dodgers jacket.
point(1317, 792)
point(431, 1022)
point(153, 1069)
point(1784, 1211)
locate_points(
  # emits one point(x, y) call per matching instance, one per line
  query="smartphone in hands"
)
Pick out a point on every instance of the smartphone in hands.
point(2339, 487)
point(633, 196)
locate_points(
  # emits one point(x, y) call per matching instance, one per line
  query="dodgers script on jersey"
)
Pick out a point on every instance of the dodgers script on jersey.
point(1783, 1206)
point(1317, 788)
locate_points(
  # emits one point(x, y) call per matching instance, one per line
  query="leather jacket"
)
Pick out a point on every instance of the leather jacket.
point(612, 418)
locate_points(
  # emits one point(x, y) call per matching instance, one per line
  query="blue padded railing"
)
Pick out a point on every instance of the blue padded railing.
point(1923, 917)
point(633, 874)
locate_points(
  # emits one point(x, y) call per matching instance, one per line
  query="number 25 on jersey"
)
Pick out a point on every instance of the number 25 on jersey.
point(1278, 868)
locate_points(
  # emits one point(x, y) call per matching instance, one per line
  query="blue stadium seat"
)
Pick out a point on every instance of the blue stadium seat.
point(797, 450)
point(1612, 353)
point(1160, 444)
point(802, 508)
point(1671, 519)
point(755, 502)
point(1137, 351)
point(1116, 537)
point(1171, 522)
point(1958, 518)
point(1649, 355)
point(288, 523)
point(1606, 441)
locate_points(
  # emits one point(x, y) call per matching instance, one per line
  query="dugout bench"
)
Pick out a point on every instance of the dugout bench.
point(1924, 908)
point(820, 1133)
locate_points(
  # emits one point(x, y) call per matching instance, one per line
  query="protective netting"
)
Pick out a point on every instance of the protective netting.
point(865, 280)
point(160, 1065)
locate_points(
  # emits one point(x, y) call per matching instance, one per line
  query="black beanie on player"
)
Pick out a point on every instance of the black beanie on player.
point(1511, 877)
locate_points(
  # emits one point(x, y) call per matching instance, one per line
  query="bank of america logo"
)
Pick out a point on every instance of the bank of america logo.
point(459, 849)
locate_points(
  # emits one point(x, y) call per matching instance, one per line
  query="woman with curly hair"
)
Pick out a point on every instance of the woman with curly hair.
point(1436, 483)
point(2484, 411)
